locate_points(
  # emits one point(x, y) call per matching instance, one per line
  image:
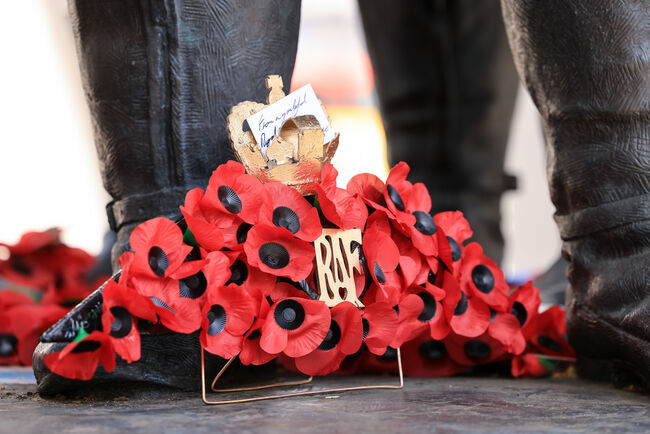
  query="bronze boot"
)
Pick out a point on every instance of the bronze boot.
point(160, 78)
point(587, 66)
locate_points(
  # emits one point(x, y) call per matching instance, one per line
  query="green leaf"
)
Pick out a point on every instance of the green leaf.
point(188, 238)
point(548, 364)
point(81, 335)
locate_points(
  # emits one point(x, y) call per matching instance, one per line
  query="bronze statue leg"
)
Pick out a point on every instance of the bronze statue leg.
point(446, 86)
point(586, 65)
point(160, 78)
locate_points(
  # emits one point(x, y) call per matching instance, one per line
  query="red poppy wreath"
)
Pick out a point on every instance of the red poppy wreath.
point(241, 268)
point(321, 278)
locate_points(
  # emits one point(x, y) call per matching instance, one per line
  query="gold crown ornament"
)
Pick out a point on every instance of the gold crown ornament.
point(296, 154)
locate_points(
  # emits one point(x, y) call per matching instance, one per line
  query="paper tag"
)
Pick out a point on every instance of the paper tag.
point(266, 123)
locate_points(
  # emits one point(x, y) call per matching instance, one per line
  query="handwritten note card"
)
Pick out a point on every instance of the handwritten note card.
point(266, 123)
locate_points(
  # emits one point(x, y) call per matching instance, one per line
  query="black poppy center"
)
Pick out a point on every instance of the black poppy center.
point(462, 305)
point(122, 322)
point(238, 273)
point(229, 199)
point(431, 278)
point(8, 344)
point(242, 232)
point(21, 267)
point(333, 337)
point(274, 255)
point(217, 319)
point(366, 327)
point(477, 350)
point(379, 274)
point(193, 286)
point(520, 312)
point(86, 347)
point(395, 197)
point(456, 253)
point(254, 335)
point(158, 261)
point(286, 218)
point(483, 279)
point(432, 350)
point(424, 223)
point(289, 314)
point(549, 343)
point(430, 307)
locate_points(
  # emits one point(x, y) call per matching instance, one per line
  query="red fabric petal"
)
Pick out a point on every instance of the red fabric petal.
point(204, 229)
point(472, 322)
point(339, 206)
point(505, 329)
point(348, 318)
point(82, 366)
point(382, 325)
point(455, 225)
point(367, 186)
point(473, 351)
point(473, 258)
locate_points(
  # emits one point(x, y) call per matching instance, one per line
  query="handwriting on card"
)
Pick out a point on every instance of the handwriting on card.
point(266, 123)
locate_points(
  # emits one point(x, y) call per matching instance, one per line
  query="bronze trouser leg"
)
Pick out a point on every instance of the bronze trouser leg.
point(446, 87)
point(160, 78)
point(586, 64)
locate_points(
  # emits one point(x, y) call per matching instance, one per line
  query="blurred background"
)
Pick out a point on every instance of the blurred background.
point(48, 167)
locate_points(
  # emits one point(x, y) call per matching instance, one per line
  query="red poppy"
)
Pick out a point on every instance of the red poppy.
point(528, 365)
point(367, 187)
point(411, 205)
point(412, 266)
point(457, 231)
point(467, 316)
point(206, 225)
point(172, 297)
point(379, 249)
point(504, 327)
point(428, 357)
point(20, 328)
point(235, 234)
point(122, 306)
point(79, 360)
point(549, 336)
point(481, 277)
point(285, 207)
point(421, 309)
point(158, 248)
point(227, 315)
point(473, 351)
point(343, 338)
point(524, 303)
point(379, 322)
point(275, 251)
point(251, 352)
point(248, 277)
point(295, 326)
point(234, 193)
point(338, 205)
point(24, 265)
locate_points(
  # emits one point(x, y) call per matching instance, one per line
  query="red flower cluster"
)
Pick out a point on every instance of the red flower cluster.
point(241, 269)
point(40, 279)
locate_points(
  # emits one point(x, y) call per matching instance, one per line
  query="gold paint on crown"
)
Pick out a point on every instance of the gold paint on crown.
point(296, 155)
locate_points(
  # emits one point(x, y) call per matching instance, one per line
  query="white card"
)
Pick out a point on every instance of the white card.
point(266, 123)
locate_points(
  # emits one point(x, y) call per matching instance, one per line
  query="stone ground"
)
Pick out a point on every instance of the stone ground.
point(457, 404)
